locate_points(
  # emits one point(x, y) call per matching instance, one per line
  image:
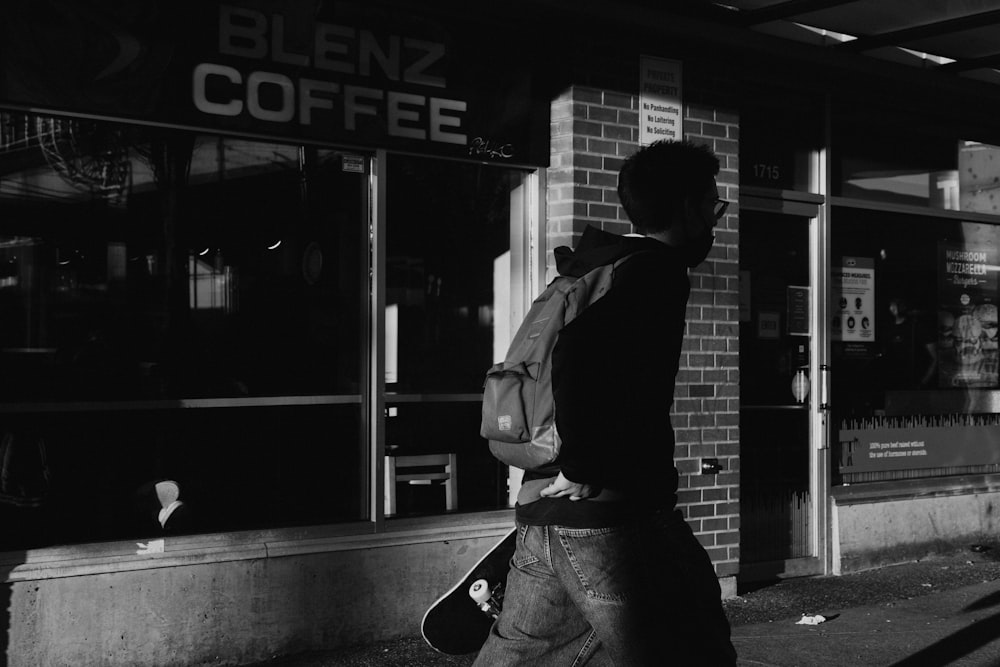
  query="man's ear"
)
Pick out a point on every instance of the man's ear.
point(677, 211)
point(687, 211)
point(690, 208)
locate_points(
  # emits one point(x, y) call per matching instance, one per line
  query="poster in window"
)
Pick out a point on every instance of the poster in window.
point(967, 315)
point(797, 316)
point(853, 312)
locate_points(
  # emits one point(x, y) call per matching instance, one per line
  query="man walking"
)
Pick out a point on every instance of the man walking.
point(606, 570)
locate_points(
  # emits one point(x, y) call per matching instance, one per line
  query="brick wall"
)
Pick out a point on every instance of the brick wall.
point(592, 131)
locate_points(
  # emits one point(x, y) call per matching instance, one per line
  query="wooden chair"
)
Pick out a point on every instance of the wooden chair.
point(421, 469)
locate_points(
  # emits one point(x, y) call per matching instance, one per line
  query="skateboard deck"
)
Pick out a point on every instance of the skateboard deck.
point(460, 620)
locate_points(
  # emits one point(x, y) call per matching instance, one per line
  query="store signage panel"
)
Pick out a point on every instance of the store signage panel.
point(661, 112)
point(967, 315)
point(362, 74)
point(919, 446)
point(853, 311)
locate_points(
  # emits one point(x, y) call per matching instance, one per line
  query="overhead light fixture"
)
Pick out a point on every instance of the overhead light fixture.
point(840, 37)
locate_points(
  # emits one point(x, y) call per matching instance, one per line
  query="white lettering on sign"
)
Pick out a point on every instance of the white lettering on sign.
point(242, 32)
point(285, 110)
point(359, 100)
point(965, 255)
point(444, 113)
point(224, 90)
point(331, 48)
point(278, 52)
point(404, 108)
point(310, 98)
point(247, 33)
point(967, 268)
point(231, 107)
point(896, 449)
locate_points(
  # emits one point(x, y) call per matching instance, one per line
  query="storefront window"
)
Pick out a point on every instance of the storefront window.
point(176, 307)
point(449, 277)
point(914, 165)
point(914, 345)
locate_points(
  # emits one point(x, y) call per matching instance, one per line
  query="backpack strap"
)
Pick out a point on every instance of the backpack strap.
point(593, 285)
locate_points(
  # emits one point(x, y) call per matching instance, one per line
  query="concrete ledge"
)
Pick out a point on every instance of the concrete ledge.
point(237, 598)
point(878, 530)
point(164, 551)
point(234, 606)
point(877, 492)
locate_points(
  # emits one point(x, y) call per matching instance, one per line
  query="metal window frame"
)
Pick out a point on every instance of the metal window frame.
point(527, 265)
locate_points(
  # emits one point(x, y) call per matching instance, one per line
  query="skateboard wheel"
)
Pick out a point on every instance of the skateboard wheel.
point(479, 591)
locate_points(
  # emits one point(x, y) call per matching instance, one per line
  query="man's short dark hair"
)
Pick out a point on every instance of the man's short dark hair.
point(656, 180)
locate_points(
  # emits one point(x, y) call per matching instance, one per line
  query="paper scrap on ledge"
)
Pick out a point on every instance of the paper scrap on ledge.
point(151, 547)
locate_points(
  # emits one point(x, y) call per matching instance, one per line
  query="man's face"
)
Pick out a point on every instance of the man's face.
point(700, 218)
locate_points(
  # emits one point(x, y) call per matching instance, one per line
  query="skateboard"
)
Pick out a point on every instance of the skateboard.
point(460, 620)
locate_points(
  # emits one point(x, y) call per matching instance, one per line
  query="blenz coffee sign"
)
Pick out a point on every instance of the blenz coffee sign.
point(360, 74)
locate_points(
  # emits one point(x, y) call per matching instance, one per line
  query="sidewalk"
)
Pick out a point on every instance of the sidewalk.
point(942, 610)
point(959, 627)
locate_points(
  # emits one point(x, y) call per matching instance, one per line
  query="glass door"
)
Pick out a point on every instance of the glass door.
point(780, 438)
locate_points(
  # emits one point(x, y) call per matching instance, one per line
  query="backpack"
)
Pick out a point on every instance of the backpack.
point(518, 407)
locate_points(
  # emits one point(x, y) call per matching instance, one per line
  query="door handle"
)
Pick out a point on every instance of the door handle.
point(824, 387)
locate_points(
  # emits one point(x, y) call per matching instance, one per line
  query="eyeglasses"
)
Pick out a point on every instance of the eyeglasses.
point(719, 207)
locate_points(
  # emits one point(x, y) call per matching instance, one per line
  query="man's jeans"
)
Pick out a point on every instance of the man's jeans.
point(641, 594)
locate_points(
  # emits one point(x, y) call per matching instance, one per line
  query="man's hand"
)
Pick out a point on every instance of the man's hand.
point(562, 487)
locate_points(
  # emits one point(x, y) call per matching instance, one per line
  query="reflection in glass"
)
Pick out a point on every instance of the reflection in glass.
point(448, 290)
point(179, 305)
point(194, 276)
point(915, 166)
point(449, 228)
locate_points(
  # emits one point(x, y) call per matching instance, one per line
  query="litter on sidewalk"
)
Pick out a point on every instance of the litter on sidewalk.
point(811, 620)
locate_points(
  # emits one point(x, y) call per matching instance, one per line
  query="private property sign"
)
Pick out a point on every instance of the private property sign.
point(661, 114)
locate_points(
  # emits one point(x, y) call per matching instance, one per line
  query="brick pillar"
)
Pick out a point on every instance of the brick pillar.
point(592, 131)
point(591, 134)
point(706, 403)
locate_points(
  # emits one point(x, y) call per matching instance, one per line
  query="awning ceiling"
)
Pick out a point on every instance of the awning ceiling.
point(958, 37)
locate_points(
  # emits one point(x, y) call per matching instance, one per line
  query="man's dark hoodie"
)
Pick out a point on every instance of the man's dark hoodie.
point(613, 373)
